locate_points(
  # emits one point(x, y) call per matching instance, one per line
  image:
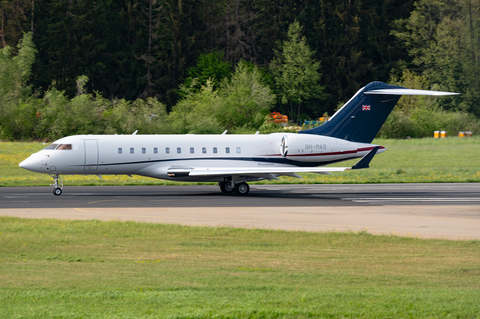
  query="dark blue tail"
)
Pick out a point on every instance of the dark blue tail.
point(360, 119)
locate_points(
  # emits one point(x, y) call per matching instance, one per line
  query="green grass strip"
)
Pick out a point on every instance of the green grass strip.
point(94, 269)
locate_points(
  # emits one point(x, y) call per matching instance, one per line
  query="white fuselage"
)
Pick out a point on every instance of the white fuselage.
point(155, 155)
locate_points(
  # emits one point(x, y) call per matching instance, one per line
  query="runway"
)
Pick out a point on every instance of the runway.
point(423, 210)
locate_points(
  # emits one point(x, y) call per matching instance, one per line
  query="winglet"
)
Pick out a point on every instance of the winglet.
point(363, 163)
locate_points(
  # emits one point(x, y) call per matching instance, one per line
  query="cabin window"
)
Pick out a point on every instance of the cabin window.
point(179, 150)
point(119, 150)
point(144, 150)
point(131, 150)
point(167, 150)
point(227, 150)
point(51, 147)
point(192, 150)
point(204, 150)
point(239, 150)
point(215, 150)
point(155, 150)
point(64, 147)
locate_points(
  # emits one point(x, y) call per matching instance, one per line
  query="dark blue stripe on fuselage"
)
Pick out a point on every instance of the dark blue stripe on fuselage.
point(278, 160)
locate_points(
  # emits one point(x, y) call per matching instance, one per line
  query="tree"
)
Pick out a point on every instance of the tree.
point(185, 40)
point(15, 70)
point(210, 67)
point(296, 73)
point(129, 48)
point(239, 37)
point(195, 112)
point(443, 38)
point(17, 113)
point(13, 14)
point(240, 101)
point(155, 22)
point(82, 38)
point(244, 100)
point(408, 103)
point(230, 28)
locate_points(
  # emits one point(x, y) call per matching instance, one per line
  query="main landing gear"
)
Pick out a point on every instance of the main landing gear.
point(230, 188)
point(57, 190)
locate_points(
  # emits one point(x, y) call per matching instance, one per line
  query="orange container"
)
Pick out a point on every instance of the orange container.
point(436, 134)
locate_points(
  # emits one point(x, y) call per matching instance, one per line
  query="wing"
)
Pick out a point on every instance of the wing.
point(208, 171)
point(252, 173)
point(265, 172)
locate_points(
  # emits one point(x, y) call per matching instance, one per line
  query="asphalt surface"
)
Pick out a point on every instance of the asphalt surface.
point(260, 196)
point(421, 210)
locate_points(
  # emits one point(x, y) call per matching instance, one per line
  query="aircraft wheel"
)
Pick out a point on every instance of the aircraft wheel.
point(226, 187)
point(57, 191)
point(242, 189)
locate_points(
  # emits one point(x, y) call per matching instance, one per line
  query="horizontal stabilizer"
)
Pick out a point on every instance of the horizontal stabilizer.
point(409, 92)
point(365, 161)
point(360, 119)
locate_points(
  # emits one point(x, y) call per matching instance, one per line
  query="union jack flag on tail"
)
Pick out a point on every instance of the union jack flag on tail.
point(365, 107)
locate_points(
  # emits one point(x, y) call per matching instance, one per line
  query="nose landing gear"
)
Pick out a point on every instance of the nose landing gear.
point(57, 190)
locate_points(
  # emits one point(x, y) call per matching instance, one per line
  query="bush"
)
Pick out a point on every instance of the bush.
point(244, 100)
point(429, 121)
point(124, 117)
point(398, 125)
point(423, 122)
point(19, 120)
point(195, 113)
point(62, 117)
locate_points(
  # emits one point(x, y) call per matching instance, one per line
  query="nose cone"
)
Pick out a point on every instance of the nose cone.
point(28, 164)
point(23, 164)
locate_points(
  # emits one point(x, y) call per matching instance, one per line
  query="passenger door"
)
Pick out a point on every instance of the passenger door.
point(91, 155)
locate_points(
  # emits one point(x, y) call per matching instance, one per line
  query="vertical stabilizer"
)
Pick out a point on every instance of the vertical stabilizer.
point(360, 119)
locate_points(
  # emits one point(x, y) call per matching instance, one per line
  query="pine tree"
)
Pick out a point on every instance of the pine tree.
point(154, 21)
point(210, 67)
point(13, 15)
point(77, 38)
point(295, 71)
point(231, 30)
point(443, 38)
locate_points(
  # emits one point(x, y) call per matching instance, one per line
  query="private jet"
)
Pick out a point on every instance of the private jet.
point(228, 159)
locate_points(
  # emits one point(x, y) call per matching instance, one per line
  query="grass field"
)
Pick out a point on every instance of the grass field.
point(94, 269)
point(405, 161)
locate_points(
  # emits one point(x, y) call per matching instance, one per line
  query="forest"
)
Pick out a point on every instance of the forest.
point(202, 66)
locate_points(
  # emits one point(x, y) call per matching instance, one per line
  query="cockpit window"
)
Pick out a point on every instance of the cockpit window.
point(51, 147)
point(64, 147)
point(58, 147)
